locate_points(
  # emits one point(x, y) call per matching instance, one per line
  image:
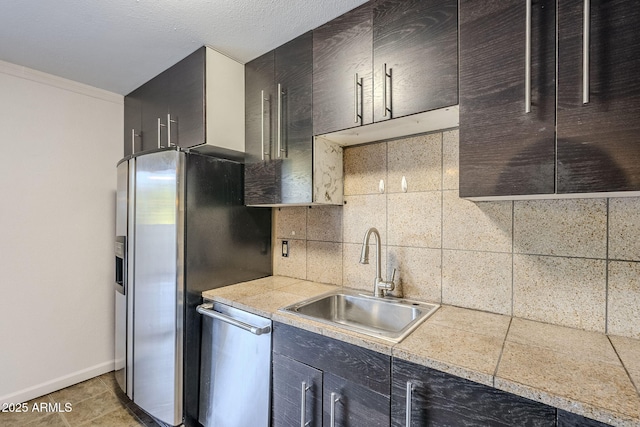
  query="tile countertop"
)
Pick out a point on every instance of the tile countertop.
point(587, 373)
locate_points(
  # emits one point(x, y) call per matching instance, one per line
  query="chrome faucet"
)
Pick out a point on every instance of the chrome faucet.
point(379, 286)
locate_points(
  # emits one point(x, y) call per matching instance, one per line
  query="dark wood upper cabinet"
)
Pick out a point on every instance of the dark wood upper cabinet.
point(196, 102)
point(132, 124)
point(505, 150)
point(385, 59)
point(154, 96)
point(279, 125)
point(260, 174)
point(187, 101)
point(294, 118)
point(562, 145)
point(599, 141)
point(342, 67)
point(415, 56)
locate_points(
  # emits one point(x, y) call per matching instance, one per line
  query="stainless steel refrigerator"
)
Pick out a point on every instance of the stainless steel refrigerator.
point(181, 228)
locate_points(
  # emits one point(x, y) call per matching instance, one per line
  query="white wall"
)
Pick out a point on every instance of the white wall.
point(60, 142)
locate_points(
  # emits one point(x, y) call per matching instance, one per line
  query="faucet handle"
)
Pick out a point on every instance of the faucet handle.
point(393, 275)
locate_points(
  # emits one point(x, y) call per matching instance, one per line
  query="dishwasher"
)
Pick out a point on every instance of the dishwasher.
point(235, 367)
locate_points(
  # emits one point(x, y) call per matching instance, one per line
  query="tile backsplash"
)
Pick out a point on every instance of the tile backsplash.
point(573, 262)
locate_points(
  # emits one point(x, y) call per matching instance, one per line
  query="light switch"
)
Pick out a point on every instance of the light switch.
point(285, 248)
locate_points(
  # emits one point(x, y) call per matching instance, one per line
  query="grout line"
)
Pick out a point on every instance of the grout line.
point(636, 386)
point(606, 276)
point(386, 212)
point(306, 243)
point(513, 252)
point(441, 216)
point(504, 343)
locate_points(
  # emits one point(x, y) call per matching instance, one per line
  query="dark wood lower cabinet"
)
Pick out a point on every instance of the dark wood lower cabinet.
point(354, 404)
point(359, 379)
point(440, 399)
point(369, 389)
point(289, 378)
point(567, 419)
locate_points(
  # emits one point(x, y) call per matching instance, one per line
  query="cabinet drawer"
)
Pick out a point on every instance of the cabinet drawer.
point(440, 399)
point(359, 365)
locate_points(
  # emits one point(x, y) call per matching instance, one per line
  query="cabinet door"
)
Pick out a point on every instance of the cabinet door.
point(155, 106)
point(598, 141)
point(353, 404)
point(294, 121)
point(186, 100)
point(296, 386)
point(439, 399)
point(260, 174)
point(342, 65)
point(416, 42)
point(132, 123)
point(505, 150)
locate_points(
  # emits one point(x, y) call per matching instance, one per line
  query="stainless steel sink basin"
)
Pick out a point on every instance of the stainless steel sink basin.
point(387, 318)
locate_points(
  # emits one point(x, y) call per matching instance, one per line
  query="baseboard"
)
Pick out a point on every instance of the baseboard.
point(57, 383)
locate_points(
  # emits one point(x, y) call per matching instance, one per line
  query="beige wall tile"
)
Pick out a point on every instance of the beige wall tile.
point(295, 265)
point(450, 160)
point(624, 299)
point(325, 223)
point(418, 159)
point(364, 167)
point(324, 262)
point(480, 280)
point(414, 219)
point(290, 222)
point(564, 291)
point(362, 212)
point(624, 228)
point(575, 228)
point(418, 273)
point(360, 276)
point(482, 226)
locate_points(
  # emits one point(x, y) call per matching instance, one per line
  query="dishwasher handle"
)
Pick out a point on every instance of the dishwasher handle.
point(206, 309)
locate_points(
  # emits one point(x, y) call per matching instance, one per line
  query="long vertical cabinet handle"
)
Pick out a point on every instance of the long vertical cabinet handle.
point(409, 396)
point(303, 404)
point(279, 135)
point(334, 399)
point(169, 121)
point(133, 140)
point(160, 126)
point(585, 51)
point(527, 60)
point(385, 103)
point(357, 90)
point(262, 122)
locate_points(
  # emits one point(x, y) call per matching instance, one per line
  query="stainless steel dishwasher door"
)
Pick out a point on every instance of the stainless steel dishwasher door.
point(235, 367)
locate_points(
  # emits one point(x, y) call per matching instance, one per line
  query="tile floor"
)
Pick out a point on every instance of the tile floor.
point(95, 402)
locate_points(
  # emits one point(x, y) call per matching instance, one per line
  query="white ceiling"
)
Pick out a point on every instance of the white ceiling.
point(117, 45)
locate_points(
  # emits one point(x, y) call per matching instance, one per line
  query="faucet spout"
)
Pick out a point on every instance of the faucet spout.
point(379, 285)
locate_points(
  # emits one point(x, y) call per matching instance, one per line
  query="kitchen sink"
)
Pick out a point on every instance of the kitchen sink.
point(388, 318)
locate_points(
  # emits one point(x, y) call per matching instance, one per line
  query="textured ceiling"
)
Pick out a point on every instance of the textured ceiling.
point(119, 44)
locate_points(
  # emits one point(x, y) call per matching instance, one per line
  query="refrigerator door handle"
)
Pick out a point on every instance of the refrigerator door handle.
point(207, 310)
